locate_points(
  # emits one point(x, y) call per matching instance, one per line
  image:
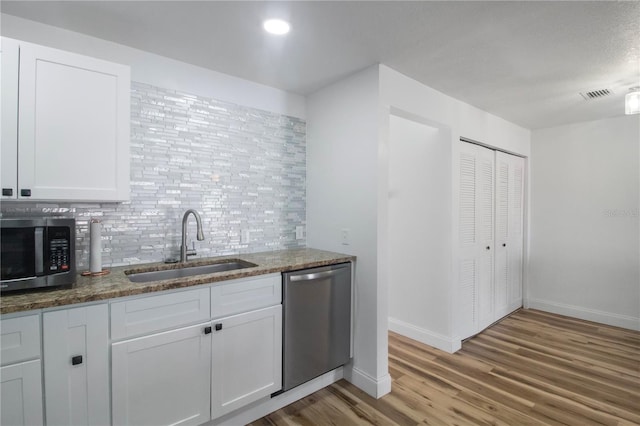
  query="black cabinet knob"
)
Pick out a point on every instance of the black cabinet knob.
point(504, 244)
point(7, 192)
point(25, 192)
point(488, 247)
point(218, 327)
point(75, 360)
point(207, 330)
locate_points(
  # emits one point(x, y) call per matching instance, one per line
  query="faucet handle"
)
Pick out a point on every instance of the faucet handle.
point(192, 251)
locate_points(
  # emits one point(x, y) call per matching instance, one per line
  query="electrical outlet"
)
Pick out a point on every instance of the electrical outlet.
point(299, 232)
point(245, 236)
point(345, 236)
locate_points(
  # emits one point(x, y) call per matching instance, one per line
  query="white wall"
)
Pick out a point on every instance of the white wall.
point(348, 172)
point(403, 96)
point(585, 221)
point(419, 202)
point(403, 93)
point(342, 193)
point(158, 70)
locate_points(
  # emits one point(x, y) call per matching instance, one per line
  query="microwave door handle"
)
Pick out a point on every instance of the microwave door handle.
point(39, 251)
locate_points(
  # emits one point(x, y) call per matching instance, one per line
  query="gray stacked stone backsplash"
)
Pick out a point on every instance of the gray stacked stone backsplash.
point(242, 169)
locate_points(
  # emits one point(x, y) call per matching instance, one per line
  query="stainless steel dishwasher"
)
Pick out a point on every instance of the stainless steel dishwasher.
point(317, 322)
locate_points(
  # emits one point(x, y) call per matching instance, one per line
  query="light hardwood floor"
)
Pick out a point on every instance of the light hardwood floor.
point(532, 368)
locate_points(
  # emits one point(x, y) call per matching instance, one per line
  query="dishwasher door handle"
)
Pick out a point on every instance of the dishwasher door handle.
point(316, 276)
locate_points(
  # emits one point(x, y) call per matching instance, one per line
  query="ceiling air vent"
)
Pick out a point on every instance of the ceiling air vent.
point(596, 94)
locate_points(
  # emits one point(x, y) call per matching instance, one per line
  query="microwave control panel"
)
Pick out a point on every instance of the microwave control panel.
point(59, 243)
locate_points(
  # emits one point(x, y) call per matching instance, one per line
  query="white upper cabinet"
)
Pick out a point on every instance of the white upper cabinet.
point(9, 131)
point(72, 126)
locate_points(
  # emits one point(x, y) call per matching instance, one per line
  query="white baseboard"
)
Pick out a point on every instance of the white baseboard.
point(445, 343)
point(580, 312)
point(372, 386)
point(268, 405)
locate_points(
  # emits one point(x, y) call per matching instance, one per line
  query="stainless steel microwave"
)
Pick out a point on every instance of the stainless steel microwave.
point(37, 252)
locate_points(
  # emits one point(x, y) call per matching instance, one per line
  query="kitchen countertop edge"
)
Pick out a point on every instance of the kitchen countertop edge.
point(116, 284)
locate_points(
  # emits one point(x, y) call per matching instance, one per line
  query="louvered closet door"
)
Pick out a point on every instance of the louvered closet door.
point(476, 235)
point(509, 233)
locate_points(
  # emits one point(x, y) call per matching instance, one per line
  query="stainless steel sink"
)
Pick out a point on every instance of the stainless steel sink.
point(189, 271)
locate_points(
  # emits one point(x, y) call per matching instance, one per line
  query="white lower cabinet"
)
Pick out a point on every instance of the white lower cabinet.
point(21, 391)
point(190, 374)
point(76, 366)
point(170, 363)
point(246, 359)
point(19, 339)
point(163, 378)
point(21, 371)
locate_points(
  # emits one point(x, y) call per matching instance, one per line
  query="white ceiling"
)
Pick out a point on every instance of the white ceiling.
point(524, 61)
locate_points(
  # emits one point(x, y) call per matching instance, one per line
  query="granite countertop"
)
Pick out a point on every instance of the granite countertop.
point(116, 284)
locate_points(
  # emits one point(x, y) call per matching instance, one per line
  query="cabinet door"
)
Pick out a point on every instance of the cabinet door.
point(21, 390)
point(76, 366)
point(247, 359)
point(73, 129)
point(509, 233)
point(9, 125)
point(162, 379)
point(475, 289)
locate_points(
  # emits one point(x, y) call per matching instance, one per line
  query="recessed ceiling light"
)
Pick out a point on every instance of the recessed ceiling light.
point(276, 26)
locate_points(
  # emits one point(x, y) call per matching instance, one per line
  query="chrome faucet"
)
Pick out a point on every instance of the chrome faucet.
point(184, 252)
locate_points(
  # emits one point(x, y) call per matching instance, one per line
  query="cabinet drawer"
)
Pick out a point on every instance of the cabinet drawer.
point(149, 314)
point(19, 339)
point(236, 296)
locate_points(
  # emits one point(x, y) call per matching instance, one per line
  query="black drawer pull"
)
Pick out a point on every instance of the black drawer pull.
point(218, 327)
point(75, 360)
point(7, 192)
point(207, 330)
point(25, 192)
